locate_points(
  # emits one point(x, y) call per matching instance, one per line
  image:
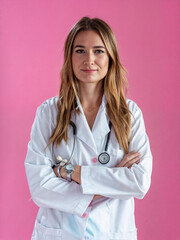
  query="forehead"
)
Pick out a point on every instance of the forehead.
point(88, 38)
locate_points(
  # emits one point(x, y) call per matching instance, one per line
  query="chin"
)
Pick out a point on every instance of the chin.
point(89, 81)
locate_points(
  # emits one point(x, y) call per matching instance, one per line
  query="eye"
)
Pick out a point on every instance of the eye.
point(79, 51)
point(99, 51)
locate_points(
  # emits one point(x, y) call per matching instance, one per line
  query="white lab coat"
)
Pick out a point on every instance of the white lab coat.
point(65, 211)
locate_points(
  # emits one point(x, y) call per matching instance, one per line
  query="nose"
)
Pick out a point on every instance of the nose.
point(89, 58)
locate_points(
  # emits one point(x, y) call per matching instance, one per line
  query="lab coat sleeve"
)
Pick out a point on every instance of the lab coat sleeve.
point(122, 182)
point(46, 189)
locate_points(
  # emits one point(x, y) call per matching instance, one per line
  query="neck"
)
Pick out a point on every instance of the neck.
point(91, 95)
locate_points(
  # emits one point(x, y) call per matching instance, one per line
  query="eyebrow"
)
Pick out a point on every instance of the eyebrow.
point(81, 46)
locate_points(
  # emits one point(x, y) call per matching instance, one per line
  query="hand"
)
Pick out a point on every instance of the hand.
point(55, 170)
point(129, 159)
point(62, 172)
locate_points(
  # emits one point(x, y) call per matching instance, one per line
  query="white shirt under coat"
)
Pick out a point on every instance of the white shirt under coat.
point(64, 212)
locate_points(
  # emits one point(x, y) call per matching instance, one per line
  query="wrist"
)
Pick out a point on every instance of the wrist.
point(76, 175)
point(63, 173)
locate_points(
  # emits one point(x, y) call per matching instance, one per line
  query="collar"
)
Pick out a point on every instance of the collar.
point(103, 103)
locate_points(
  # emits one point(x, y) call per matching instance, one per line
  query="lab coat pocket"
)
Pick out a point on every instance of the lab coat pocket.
point(131, 235)
point(98, 222)
point(45, 233)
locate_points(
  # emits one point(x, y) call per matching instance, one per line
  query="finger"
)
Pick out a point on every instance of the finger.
point(132, 153)
point(133, 161)
point(129, 157)
point(128, 164)
point(131, 165)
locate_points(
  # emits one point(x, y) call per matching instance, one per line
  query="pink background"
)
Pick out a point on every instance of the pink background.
point(32, 38)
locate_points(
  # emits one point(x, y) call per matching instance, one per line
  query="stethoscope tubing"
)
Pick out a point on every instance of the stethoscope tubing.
point(103, 157)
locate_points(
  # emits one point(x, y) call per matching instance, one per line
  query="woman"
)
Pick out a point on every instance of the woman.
point(89, 154)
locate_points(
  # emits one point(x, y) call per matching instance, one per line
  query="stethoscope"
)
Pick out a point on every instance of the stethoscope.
point(103, 157)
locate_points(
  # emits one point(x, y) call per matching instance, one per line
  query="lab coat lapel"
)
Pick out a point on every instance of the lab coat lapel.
point(83, 131)
point(100, 128)
point(101, 124)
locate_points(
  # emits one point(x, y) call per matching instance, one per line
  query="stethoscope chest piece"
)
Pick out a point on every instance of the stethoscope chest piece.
point(104, 158)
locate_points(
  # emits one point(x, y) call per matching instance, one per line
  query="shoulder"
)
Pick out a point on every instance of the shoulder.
point(49, 104)
point(48, 109)
point(133, 107)
point(137, 120)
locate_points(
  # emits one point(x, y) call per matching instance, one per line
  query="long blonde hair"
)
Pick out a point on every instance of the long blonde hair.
point(114, 84)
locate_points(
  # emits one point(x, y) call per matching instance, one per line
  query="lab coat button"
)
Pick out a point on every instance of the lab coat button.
point(94, 160)
point(84, 215)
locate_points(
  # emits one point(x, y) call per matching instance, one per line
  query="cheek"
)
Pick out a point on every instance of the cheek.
point(105, 64)
point(76, 62)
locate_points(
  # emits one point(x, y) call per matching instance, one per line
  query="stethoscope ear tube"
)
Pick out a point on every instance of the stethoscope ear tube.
point(74, 127)
point(108, 137)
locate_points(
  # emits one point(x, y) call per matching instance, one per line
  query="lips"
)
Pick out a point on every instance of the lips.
point(89, 70)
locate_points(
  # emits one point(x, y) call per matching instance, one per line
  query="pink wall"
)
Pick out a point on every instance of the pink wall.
point(32, 38)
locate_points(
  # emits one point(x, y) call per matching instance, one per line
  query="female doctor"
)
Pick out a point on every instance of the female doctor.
point(89, 155)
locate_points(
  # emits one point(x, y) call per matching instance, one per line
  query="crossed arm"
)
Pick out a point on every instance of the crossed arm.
point(128, 160)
